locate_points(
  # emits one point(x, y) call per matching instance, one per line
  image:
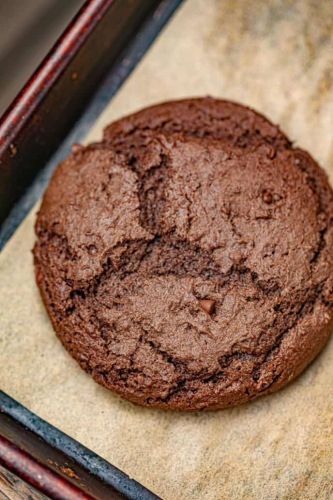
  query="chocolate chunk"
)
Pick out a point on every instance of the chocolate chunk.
point(267, 197)
point(207, 305)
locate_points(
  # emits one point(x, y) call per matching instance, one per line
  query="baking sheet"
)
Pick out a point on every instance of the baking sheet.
point(277, 56)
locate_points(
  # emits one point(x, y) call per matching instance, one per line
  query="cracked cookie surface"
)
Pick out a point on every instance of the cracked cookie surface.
point(186, 260)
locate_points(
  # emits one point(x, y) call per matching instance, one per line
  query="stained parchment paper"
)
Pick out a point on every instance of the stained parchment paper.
point(277, 56)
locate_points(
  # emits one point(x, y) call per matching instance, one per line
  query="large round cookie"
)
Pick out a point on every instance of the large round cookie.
point(189, 267)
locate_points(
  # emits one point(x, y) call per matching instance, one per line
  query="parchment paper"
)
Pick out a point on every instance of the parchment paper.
point(277, 56)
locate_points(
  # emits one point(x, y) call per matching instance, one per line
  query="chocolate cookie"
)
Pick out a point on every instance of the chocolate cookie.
point(186, 260)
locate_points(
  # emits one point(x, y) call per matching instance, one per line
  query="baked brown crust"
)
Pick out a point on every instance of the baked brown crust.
point(186, 260)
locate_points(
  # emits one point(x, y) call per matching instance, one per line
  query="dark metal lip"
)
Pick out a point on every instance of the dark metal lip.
point(37, 475)
point(50, 69)
point(58, 440)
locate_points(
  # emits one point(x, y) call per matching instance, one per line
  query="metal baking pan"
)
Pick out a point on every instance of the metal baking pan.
point(56, 107)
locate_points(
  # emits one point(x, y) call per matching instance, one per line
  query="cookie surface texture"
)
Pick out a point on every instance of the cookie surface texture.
point(186, 260)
